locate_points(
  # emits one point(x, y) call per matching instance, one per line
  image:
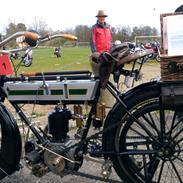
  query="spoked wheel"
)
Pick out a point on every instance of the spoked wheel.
point(150, 145)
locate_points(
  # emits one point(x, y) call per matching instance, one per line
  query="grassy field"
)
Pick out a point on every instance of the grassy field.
point(71, 59)
point(45, 60)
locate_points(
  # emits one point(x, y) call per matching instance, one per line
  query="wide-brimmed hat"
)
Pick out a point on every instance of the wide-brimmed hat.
point(101, 14)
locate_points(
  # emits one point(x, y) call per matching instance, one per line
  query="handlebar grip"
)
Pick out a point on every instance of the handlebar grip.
point(32, 35)
point(69, 37)
point(31, 38)
point(28, 74)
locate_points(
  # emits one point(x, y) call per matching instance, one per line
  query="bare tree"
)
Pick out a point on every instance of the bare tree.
point(13, 28)
point(144, 31)
point(122, 33)
point(82, 32)
point(39, 25)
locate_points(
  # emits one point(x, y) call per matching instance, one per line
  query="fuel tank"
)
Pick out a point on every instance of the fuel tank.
point(67, 90)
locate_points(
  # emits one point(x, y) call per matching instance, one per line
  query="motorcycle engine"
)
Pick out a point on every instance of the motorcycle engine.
point(53, 156)
point(58, 124)
point(61, 162)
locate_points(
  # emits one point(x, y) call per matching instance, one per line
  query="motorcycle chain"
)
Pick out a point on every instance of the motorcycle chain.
point(94, 136)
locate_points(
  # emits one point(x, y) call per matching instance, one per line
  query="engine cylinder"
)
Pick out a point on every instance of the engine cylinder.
point(58, 124)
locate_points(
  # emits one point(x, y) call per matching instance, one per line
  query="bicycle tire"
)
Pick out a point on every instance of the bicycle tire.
point(130, 167)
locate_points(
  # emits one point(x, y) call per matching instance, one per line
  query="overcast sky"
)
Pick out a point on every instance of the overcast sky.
point(63, 14)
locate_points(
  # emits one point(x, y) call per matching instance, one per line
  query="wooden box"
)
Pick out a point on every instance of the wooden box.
point(171, 46)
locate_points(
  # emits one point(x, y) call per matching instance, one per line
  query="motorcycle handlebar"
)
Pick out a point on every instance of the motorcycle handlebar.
point(33, 40)
point(64, 36)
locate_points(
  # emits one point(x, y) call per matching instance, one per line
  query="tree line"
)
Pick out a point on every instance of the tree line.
point(122, 33)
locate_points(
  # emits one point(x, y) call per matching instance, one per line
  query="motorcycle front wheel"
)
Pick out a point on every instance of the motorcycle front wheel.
point(10, 143)
point(150, 144)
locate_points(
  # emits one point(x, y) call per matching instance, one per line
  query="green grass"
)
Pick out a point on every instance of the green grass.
point(71, 59)
point(45, 60)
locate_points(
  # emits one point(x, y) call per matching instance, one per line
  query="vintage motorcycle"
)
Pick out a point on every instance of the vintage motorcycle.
point(155, 48)
point(141, 136)
point(57, 52)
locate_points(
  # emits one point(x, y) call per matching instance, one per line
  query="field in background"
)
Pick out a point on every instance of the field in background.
point(71, 59)
point(75, 58)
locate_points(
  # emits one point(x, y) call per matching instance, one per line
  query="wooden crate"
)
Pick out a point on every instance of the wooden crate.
point(171, 46)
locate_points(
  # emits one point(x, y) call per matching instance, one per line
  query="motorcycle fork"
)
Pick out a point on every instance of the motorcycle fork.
point(28, 123)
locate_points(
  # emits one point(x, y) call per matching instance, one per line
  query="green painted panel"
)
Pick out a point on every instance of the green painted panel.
point(77, 91)
point(25, 92)
point(56, 92)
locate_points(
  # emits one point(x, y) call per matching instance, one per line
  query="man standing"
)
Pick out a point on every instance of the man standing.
point(100, 41)
point(101, 37)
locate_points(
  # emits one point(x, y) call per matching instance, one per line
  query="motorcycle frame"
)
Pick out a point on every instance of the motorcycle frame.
point(82, 144)
point(48, 76)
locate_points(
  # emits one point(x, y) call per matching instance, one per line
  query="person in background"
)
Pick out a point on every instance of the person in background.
point(100, 41)
point(101, 36)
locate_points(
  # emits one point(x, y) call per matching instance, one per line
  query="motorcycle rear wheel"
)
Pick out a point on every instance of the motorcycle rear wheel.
point(150, 148)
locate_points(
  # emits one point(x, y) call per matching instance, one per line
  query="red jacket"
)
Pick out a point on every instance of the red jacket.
point(101, 38)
